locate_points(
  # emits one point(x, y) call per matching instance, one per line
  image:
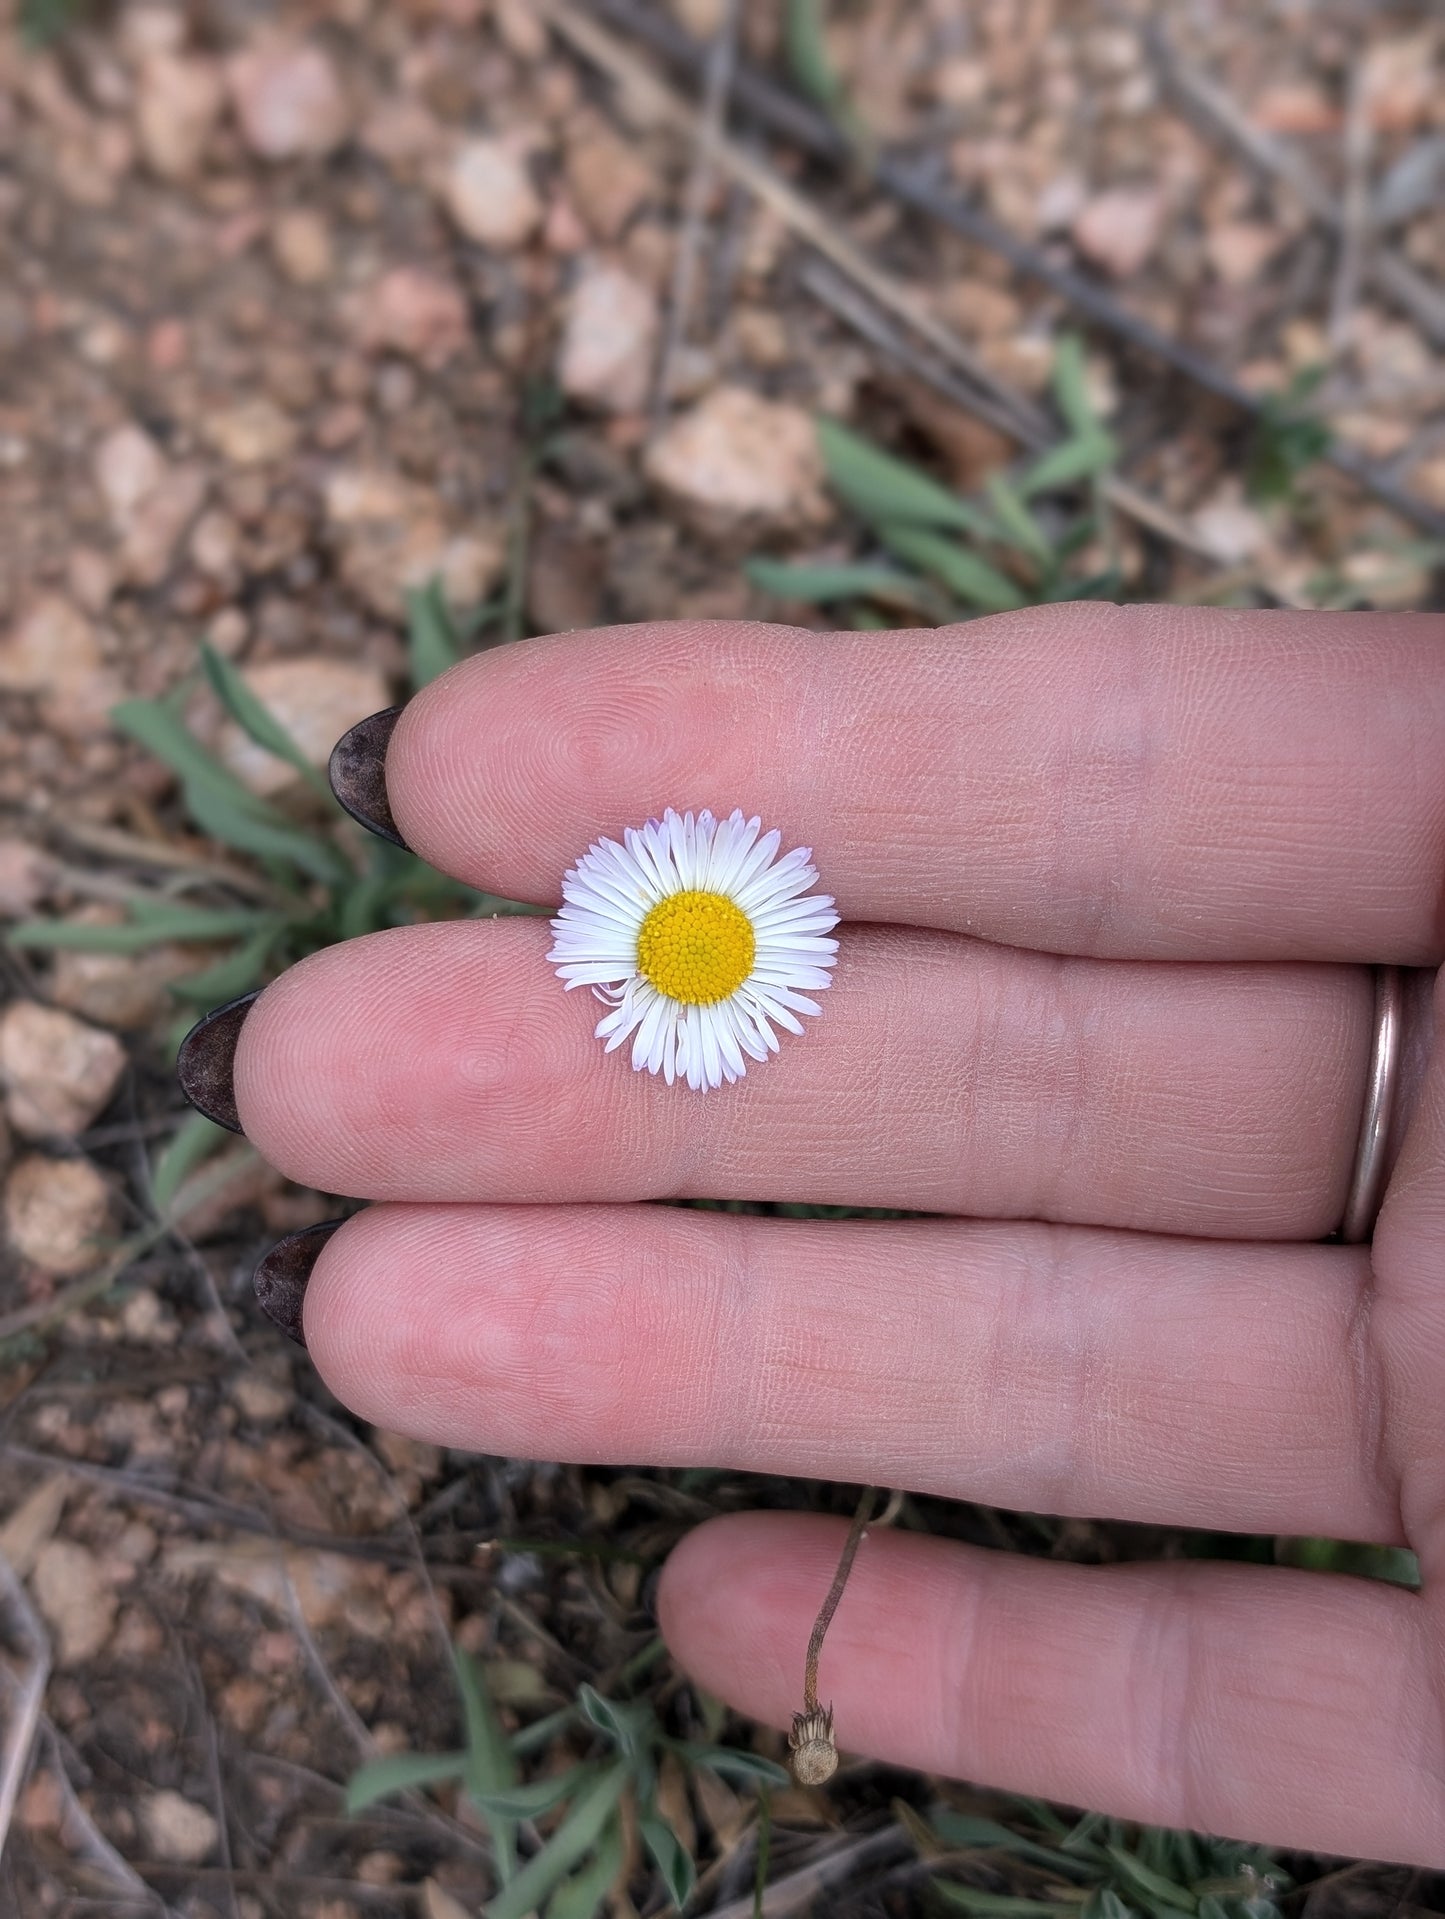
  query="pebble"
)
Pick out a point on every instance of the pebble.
point(255, 432)
point(735, 458)
point(417, 313)
point(316, 699)
point(289, 100)
point(301, 243)
point(1239, 250)
point(58, 1073)
point(52, 651)
point(151, 501)
point(391, 535)
point(77, 1603)
point(26, 877)
point(122, 990)
point(609, 340)
point(607, 181)
point(490, 195)
point(178, 1828)
point(1119, 229)
point(55, 1213)
point(178, 104)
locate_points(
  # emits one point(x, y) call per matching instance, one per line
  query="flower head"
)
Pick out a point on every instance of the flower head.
point(699, 938)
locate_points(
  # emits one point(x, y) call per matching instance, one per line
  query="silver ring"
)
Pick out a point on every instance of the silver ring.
point(1367, 1183)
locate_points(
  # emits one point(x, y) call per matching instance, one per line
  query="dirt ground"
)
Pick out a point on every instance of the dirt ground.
point(305, 304)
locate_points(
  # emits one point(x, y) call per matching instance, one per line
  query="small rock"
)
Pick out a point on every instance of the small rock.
point(57, 1072)
point(90, 578)
point(1240, 249)
point(177, 106)
point(259, 1399)
point(55, 1213)
point(178, 1828)
point(737, 458)
point(609, 340)
point(124, 990)
point(1118, 230)
point(607, 181)
point(1296, 106)
point(391, 535)
point(128, 465)
point(289, 100)
point(151, 502)
point(26, 877)
point(78, 1605)
point(301, 242)
point(519, 29)
point(418, 313)
point(316, 700)
point(53, 652)
point(489, 193)
point(1230, 527)
point(255, 432)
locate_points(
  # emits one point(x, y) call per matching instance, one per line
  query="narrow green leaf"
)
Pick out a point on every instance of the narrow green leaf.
point(541, 1732)
point(154, 726)
point(887, 491)
point(193, 1141)
point(491, 1763)
point(254, 717)
point(431, 638)
point(959, 1829)
point(582, 1896)
point(567, 1847)
point(963, 573)
point(999, 1905)
point(622, 1722)
point(731, 1763)
point(1071, 386)
point(818, 585)
point(671, 1856)
point(1016, 521)
point(252, 833)
point(530, 1802)
point(765, 1848)
point(1152, 1886)
point(397, 1772)
point(1070, 462)
point(171, 923)
point(235, 973)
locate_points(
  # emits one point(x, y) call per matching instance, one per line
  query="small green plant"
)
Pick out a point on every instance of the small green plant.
point(961, 557)
point(1288, 439)
point(1097, 1868)
point(42, 22)
point(600, 1797)
point(805, 45)
point(323, 879)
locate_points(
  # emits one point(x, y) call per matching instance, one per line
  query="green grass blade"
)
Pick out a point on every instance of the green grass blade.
point(1152, 1887)
point(163, 923)
point(154, 726)
point(397, 1772)
point(530, 1802)
point(731, 1763)
point(670, 1856)
point(963, 573)
point(959, 1829)
point(1017, 523)
point(578, 1833)
point(888, 491)
point(264, 838)
point(821, 585)
point(431, 639)
point(254, 717)
point(491, 1763)
point(235, 973)
point(1071, 386)
point(997, 1905)
point(193, 1142)
point(1070, 462)
point(582, 1896)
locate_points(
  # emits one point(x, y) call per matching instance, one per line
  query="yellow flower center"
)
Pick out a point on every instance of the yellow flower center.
point(696, 947)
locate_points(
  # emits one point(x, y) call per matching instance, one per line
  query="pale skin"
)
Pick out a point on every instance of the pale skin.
point(1111, 881)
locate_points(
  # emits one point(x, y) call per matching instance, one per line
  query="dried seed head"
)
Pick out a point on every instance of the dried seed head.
point(815, 1757)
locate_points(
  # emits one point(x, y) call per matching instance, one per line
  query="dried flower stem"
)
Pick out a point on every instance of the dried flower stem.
point(814, 1752)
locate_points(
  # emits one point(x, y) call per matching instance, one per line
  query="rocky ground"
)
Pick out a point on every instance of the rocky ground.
point(307, 304)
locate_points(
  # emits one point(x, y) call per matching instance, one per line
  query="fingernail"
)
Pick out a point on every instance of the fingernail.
point(283, 1275)
point(205, 1064)
point(357, 772)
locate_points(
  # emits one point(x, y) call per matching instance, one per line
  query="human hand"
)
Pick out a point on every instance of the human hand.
point(1111, 882)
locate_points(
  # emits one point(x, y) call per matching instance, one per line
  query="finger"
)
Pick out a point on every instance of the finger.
point(446, 1062)
point(1294, 1708)
point(1056, 1369)
point(1150, 782)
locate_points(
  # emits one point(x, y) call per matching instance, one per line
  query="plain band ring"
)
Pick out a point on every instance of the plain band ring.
point(1367, 1182)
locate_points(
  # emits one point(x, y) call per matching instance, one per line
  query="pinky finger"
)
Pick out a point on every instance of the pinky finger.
point(1284, 1707)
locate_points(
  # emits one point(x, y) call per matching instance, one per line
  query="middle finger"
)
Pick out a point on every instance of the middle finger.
point(444, 1062)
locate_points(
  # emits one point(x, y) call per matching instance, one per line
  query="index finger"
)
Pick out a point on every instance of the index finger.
point(1146, 782)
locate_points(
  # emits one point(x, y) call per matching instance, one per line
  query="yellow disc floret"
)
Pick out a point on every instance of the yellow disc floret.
point(696, 947)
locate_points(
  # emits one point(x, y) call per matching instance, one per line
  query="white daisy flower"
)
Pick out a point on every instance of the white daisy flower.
point(700, 939)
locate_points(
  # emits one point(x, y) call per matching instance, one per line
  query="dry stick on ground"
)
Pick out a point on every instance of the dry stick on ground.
point(1350, 266)
point(1218, 114)
point(718, 78)
point(914, 185)
point(985, 395)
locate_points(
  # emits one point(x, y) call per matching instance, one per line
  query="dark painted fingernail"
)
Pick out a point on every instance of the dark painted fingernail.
point(357, 772)
point(283, 1275)
point(205, 1065)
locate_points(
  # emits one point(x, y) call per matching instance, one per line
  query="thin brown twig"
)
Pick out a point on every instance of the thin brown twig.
point(1354, 227)
point(835, 1593)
